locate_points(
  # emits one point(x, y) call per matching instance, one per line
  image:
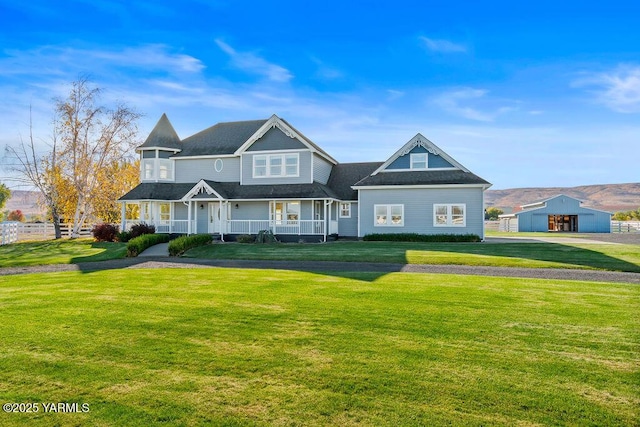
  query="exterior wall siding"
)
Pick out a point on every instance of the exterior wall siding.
point(250, 210)
point(321, 169)
point(348, 226)
point(304, 168)
point(193, 170)
point(180, 211)
point(433, 161)
point(418, 209)
point(275, 140)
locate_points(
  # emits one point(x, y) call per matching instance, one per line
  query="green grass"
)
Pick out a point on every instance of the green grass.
point(532, 255)
point(248, 347)
point(61, 251)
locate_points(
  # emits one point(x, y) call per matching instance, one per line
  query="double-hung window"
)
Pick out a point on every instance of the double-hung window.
point(389, 215)
point(449, 215)
point(345, 210)
point(418, 160)
point(276, 165)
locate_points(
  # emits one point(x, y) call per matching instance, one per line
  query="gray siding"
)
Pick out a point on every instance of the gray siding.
point(418, 209)
point(433, 161)
point(250, 210)
point(321, 169)
point(348, 226)
point(303, 178)
point(193, 170)
point(180, 211)
point(275, 139)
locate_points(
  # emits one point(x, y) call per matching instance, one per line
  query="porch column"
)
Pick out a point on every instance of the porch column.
point(327, 219)
point(123, 213)
point(189, 218)
point(222, 217)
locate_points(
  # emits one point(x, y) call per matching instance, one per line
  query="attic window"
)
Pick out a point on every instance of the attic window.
point(418, 160)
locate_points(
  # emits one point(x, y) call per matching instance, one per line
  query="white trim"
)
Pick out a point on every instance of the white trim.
point(418, 170)
point(283, 165)
point(202, 185)
point(340, 209)
point(387, 187)
point(215, 165)
point(288, 150)
point(415, 155)
point(388, 220)
point(420, 140)
point(449, 214)
point(175, 150)
point(277, 122)
point(207, 156)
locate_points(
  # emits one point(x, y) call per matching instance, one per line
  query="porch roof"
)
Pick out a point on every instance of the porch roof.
point(229, 191)
point(235, 191)
point(436, 177)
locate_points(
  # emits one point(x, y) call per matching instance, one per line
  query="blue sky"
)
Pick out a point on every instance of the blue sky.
point(537, 94)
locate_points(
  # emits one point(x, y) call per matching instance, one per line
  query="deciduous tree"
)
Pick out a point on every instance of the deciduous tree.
point(5, 194)
point(92, 138)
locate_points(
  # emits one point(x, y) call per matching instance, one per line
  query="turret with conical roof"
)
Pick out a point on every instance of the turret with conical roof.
point(162, 136)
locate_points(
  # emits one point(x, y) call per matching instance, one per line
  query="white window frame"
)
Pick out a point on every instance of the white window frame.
point(345, 209)
point(450, 217)
point(388, 216)
point(164, 216)
point(168, 164)
point(148, 169)
point(282, 168)
point(415, 158)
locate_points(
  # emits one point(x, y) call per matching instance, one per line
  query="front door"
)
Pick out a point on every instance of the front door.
point(214, 217)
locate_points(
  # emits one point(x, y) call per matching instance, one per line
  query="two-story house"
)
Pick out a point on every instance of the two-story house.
point(239, 178)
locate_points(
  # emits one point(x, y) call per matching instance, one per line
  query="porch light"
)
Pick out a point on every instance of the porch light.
point(237, 206)
point(201, 206)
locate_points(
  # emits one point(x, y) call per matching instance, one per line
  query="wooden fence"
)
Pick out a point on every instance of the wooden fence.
point(40, 231)
point(625, 226)
point(8, 232)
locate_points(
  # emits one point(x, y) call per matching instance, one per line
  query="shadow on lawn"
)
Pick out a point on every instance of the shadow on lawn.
point(570, 255)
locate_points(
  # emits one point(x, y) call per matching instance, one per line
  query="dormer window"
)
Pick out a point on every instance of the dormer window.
point(418, 160)
point(156, 165)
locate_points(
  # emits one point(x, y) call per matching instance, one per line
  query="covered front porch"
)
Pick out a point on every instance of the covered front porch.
point(237, 217)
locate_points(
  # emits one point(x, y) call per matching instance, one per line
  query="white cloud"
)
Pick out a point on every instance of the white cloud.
point(394, 94)
point(252, 63)
point(618, 89)
point(454, 103)
point(443, 46)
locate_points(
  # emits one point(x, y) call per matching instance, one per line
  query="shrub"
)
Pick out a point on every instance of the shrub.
point(246, 238)
point(415, 237)
point(105, 232)
point(140, 229)
point(123, 236)
point(266, 236)
point(184, 243)
point(140, 243)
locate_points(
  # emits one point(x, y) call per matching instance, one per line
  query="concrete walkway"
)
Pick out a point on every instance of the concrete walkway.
point(159, 250)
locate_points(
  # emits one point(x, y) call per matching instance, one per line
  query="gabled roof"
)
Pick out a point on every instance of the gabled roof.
point(436, 177)
point(344, 175)
point(163, 135)
point(420, 140)
point(220, 139)
point(287, 129)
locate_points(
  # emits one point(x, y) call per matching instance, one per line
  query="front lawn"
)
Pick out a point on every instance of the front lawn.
point(61, 251)
point(251, 347)
point(533, 255)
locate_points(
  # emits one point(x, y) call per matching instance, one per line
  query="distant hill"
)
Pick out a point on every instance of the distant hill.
point(608, 197)
point(26, 201)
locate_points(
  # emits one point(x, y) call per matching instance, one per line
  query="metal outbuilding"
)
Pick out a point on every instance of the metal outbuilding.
point(557, 214)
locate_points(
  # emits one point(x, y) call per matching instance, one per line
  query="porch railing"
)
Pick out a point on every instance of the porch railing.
point(239, 226)
point(236, 226)
point(180, 226)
